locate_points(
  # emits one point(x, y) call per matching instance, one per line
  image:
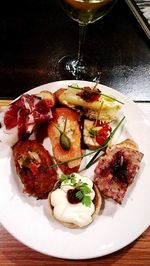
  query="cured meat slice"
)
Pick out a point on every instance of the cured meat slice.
point(23, 114)
point(32, 163)
point(116, 170)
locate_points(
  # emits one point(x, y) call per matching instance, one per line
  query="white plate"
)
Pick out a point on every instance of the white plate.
point(28, 220)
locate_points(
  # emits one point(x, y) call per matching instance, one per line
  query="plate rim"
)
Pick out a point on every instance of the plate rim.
point(145, 226)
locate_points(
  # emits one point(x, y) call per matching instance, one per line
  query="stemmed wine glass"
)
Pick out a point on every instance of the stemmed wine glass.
point(84, 12)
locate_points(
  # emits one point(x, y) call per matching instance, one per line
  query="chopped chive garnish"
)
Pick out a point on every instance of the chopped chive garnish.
point(111, 98)
point(103, 94)
point(73, 159)
point(97, 151)
point(75, 87)
point(104, 145)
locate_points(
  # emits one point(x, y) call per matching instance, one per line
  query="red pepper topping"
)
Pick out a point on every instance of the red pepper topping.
point(33, 167)
point(103, 133)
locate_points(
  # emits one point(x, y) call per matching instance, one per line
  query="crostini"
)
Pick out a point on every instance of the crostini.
point(32, 163)
point(65, 137)
point(117, 169)
point(95, 133)
point(90, 101)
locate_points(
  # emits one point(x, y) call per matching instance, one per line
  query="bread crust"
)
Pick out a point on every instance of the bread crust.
point(127, 143)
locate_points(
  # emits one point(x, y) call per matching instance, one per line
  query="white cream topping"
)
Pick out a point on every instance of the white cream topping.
point(65, 211)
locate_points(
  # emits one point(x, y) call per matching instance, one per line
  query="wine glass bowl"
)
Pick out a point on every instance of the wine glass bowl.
point(84, 12)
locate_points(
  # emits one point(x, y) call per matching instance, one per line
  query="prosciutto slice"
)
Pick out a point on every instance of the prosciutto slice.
point(20, 117)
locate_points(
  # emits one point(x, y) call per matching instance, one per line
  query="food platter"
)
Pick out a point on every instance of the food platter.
point(29, 221)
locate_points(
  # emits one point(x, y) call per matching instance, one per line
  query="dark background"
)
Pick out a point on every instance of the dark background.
point(35, 34)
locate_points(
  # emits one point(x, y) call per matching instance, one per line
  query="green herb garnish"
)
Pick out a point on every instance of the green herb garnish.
point(111, 98)
point(82, 188)
point(73, 159)
point(86, 201)
point(66, 178)
point(79, 195)
point(93, 133)
point(73, 180)
point(75, 87)
point(97, 151)
point(103, 94)
point(104, 145)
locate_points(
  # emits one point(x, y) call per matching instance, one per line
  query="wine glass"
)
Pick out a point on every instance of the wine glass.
point(84, 12)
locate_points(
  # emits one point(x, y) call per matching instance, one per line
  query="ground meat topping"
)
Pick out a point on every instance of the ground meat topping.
point(116, 171)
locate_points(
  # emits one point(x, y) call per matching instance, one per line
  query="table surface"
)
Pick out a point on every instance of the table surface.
point(34, 35)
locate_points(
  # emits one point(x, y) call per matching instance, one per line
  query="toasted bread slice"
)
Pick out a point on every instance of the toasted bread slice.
point(62, 116)
point(89, 141)
point(48, 96)
point(72, 97)
point(117, 169)
point(128, 143)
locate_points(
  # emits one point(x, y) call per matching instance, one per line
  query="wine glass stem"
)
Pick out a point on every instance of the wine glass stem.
point(82, 33)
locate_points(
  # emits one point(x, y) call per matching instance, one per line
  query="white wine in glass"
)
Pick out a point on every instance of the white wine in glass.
point(84, 12)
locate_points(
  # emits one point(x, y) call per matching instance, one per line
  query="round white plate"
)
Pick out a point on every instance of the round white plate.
point(28, 219)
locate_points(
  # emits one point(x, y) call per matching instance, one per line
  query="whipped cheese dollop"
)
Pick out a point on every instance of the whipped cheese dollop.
point(76, 213)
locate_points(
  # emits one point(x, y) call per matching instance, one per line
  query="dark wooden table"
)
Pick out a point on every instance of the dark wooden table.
point(34, 35)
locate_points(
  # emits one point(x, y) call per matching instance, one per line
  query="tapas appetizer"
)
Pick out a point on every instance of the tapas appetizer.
point(65, 137)
point(20, 118)
point(80, 122)
point(75, 201)
point(32, 162)
point(116, 170)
